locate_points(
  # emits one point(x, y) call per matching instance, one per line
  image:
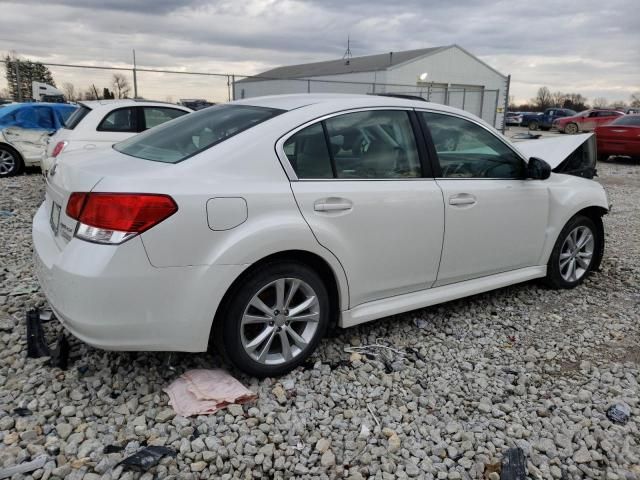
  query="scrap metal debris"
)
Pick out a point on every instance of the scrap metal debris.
point(619, 413)
point(26, 467)
point(199, 392)
point(148, 457)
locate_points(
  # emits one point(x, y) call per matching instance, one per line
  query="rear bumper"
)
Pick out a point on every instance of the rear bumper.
point(111, 297)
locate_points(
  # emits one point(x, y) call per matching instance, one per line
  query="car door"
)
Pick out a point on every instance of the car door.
point(363, 186)
point(117, 125)
point(589, 122)
point(495, 219)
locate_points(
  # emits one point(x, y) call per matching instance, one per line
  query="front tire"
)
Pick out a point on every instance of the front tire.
point(274, 320)
point(575, 254)
point(10, 162)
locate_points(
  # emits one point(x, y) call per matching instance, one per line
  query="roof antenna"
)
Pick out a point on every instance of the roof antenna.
point(347, 54)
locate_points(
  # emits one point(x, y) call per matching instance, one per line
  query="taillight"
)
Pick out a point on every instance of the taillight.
point(113, 218)
point(58, 148)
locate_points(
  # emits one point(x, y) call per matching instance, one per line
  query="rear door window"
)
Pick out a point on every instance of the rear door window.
point(375, 144)
point(119, 120)
point(308, 153)
point(154, 116)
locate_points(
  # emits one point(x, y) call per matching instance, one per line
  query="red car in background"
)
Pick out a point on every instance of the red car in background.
point(620, 137)
point(586, 121)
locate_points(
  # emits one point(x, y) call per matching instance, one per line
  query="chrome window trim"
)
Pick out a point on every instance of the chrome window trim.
point(293, 177)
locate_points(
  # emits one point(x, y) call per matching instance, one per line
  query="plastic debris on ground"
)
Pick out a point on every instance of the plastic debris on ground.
point(201, 392)
point(26, 467)
point(22, 411)
point(421, 323)
point(146, 458)
point(619, 413)
point(36, 346)
point(514, 465)
point(390, 357)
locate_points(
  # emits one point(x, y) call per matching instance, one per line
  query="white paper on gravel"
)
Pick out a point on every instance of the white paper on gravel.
point(202, 392)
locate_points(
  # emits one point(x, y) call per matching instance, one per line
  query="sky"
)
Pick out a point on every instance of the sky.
point(586, 46)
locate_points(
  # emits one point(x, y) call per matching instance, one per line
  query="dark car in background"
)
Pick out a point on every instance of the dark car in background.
point(544, 120)
point(620, 137)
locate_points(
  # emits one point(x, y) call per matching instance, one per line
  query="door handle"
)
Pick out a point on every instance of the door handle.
point(462, 199)
point(332, 205)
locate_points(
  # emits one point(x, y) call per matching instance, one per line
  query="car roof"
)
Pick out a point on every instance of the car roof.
point(341, 101)
point(12, 107)
point(109, 104)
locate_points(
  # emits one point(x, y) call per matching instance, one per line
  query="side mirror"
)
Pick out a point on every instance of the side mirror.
point(538, 169)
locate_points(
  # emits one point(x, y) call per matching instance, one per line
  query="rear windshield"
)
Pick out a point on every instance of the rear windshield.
point(627, 120)
point(75, 118)
point(186, 136)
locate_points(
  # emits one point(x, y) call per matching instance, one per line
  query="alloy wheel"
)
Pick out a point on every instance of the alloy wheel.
point(280, 321)
point(7, 163)
point(576, 254)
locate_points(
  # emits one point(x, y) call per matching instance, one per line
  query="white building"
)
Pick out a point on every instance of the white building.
point(449, 75)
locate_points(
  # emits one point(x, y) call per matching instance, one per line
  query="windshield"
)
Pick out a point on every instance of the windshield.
point(186, 136)
point(627, 120)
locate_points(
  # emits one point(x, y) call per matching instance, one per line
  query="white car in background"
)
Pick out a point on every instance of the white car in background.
point(101, 123)
point(258, 223)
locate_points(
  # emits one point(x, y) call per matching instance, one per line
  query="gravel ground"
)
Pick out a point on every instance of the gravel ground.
point(523, 366)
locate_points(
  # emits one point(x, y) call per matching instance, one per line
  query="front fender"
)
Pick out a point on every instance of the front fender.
point(569, 195)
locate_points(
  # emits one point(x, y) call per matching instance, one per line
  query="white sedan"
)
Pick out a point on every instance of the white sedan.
point(101, 123)
point(258, 223)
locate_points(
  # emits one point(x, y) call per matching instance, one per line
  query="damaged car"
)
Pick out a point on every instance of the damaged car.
point(24, 131)
point(256, 225)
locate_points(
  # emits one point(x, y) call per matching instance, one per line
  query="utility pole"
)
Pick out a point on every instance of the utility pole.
point(135, 77)
point(17, 65)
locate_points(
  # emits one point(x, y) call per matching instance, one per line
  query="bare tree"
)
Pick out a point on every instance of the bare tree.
point(69, 91)
point(557, 98)
point(91, 93)
point(635, 99)
point(619, 104)
point(576, 101)
point(543, 98)
point(120, 85)
point(600, 102)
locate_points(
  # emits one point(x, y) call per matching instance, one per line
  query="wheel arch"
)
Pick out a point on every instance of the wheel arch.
point(14, 150)
point(595, 213)
point(334, 283)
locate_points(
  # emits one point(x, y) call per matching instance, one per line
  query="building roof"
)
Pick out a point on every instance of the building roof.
point(368, 63)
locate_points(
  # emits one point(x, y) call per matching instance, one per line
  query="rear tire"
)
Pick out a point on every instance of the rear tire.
point(576, 253)
point(10, 162)
point(291, 317)
point(533, 125)
point(571, 129)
